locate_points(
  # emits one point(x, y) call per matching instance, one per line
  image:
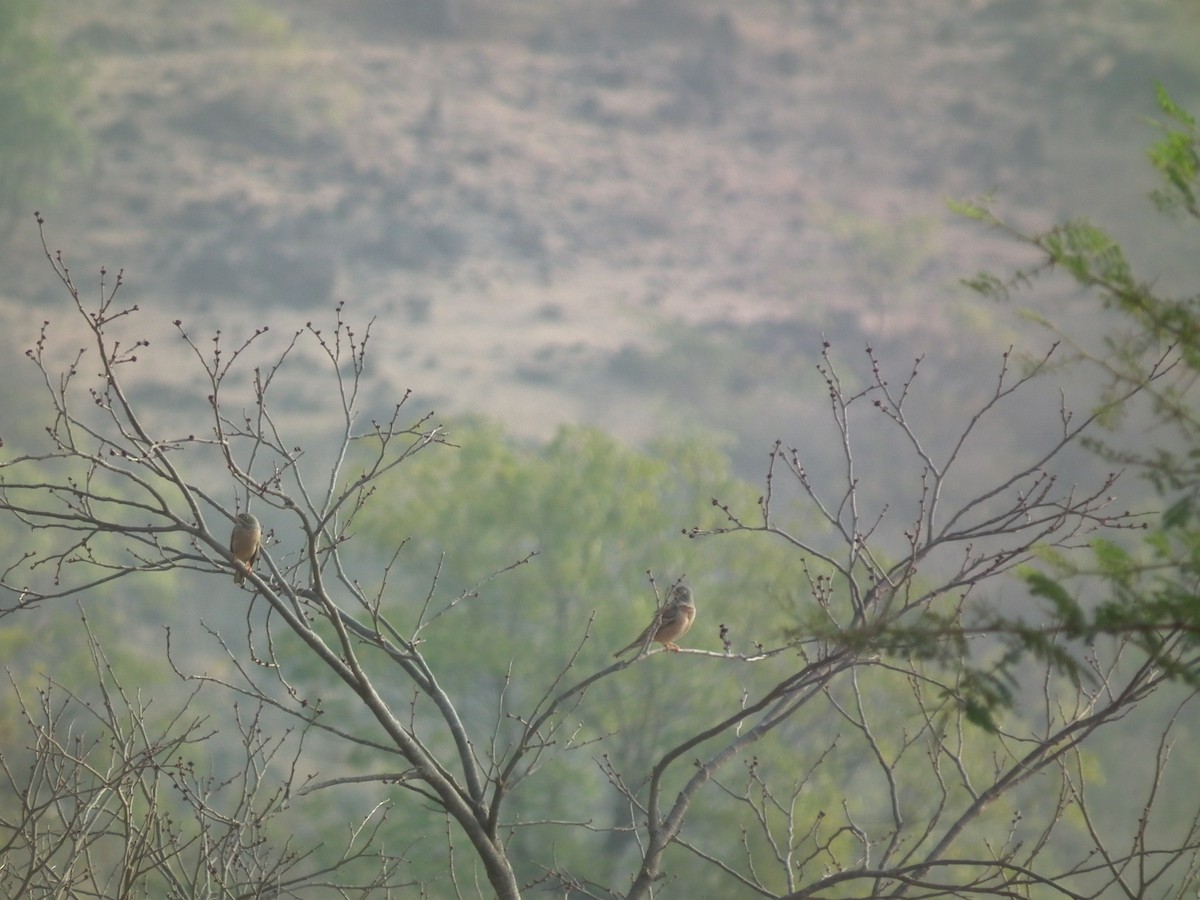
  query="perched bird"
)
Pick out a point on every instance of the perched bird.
point(676, 618)
point(244, 544)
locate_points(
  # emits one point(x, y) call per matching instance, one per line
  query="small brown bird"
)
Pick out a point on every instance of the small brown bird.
point(244, 544)
point(678, 614)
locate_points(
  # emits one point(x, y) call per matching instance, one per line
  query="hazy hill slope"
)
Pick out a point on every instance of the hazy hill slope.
point(641, 214)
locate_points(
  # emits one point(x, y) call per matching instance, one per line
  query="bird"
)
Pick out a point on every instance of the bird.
point(672, 622)
point(244, 544)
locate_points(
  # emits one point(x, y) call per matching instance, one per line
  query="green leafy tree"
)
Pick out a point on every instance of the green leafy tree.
point(590, 522)
point(1150, 588)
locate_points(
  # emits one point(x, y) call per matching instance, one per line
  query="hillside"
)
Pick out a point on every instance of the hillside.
point(637, 214)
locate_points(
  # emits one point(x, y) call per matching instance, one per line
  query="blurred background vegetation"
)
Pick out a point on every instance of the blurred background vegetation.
point(42, 92)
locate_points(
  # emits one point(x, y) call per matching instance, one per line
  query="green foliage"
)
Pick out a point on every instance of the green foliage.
point(584, 519)
point(39, 136)
point(970, 209)
point(1150, 600)
point(598, 516)
point(1069, 614)
point(982, 694)
point(1176, 158)
point(1090, 255)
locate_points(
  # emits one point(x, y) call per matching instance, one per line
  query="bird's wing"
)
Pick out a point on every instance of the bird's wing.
point(673, 614)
